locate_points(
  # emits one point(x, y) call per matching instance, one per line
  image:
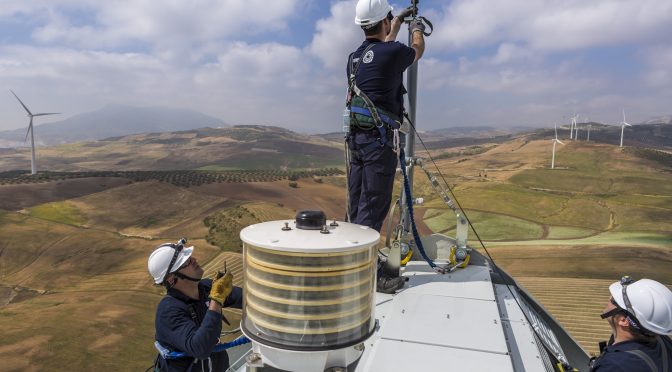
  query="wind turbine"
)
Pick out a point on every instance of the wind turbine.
point(588, 138)
point(555, 141)
point(572, 127)
point(33, 166)
point(623, 125)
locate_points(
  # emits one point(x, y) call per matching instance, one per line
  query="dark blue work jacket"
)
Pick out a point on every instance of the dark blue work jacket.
point(177, 330)
point(380, 74)
point(619, 358)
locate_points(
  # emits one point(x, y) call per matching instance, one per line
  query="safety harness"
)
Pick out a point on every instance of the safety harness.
point(381, 120)
point(168, 354)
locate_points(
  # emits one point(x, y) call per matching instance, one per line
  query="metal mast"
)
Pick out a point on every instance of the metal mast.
point(409, 147)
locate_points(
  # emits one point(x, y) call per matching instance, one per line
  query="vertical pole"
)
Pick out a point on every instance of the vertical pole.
point(33, 166)
point(409, 148)
point(394, 258)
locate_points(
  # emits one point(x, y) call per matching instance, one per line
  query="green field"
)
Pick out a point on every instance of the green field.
point(490, 226)
point(567, 232)
point(62, 212)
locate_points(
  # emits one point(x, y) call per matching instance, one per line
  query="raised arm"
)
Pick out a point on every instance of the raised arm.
point(417, 38)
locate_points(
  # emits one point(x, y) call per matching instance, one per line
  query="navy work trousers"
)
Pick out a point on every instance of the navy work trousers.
point(371, 179)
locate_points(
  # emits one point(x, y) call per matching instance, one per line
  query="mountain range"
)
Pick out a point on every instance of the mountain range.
point(111, 121)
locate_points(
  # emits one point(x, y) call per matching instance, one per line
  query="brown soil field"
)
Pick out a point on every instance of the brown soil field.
point(150, 209)
point(576, 304)
point(16, 197)
point(587, 262)
point(308, 195)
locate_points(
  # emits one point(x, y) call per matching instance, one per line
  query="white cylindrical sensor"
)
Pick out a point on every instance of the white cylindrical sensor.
point(309, 288)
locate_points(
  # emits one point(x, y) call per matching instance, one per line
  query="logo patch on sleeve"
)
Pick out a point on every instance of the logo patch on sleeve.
point(368, 57)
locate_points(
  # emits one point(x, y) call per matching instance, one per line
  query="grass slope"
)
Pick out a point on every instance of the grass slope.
point(93, 303)
point(63, 212)
point(148, 209)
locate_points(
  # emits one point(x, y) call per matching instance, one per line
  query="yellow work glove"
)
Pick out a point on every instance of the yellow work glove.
point(221, 288)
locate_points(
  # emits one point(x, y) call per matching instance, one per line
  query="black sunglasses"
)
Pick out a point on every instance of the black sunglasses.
point(625, 281)
point(390, 17)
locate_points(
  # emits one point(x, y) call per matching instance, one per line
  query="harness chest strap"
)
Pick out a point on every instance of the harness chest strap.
point(370, 110)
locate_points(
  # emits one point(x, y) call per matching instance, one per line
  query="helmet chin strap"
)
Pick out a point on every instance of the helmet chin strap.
point(182, 276)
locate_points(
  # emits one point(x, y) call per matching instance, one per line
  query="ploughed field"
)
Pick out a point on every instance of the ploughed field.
point(576, 304)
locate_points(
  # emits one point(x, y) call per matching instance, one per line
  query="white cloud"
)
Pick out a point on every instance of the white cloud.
point(509, 52)
point(170, 23)
point(336, 36)
point(549, 25)
point(659, 61)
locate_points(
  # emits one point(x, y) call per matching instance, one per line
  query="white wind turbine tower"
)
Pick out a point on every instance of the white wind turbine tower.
point(588, 126)
point(555, 141)
point(572, 127)
point(623, 125)
point(33, 166)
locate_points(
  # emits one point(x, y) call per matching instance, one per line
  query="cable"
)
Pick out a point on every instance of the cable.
point(409, 205)
point(560, 358)
point(347, 180)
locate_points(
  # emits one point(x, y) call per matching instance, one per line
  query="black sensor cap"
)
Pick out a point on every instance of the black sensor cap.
point(310, 220)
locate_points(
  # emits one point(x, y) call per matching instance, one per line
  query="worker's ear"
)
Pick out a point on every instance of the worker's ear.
point(621, 320)
point(171, 280)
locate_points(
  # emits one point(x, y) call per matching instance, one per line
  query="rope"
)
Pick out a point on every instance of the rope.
point(218, 348)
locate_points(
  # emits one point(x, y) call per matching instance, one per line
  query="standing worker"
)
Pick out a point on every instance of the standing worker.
point(640, 316)
point(376, 102)
point(189, 317)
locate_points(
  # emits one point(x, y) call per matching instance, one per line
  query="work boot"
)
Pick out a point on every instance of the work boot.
point(390, 285)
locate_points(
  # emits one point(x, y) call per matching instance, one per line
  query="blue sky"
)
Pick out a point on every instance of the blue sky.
point(281, 62)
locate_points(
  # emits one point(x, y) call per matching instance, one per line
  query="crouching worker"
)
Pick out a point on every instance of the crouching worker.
point(640, 316)
point(189, 317)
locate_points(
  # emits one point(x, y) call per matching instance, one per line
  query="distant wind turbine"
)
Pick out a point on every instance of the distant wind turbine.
point(555, 141)
point(572, 127)
point(588, 137)
point(33, 166)
point(623, 125)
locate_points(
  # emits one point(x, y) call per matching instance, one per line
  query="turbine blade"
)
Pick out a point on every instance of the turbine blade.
point(47, 113)
point(30, 126)
point(555, 126)
point(624, 115)
point(24, 106)
point(560, 142)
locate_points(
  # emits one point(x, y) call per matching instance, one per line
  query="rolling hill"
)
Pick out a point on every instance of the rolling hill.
point(238, 147)
point(110, 121)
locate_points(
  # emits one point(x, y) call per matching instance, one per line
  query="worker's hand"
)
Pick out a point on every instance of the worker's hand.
point(221, 288)
point(417, 24)
point(405, 13)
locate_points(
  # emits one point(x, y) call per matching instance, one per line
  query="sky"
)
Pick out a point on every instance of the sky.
point(282, 62)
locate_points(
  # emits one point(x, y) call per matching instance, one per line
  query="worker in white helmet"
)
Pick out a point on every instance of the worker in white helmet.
point(375, 99)
point(189, 318)
point(640, 316)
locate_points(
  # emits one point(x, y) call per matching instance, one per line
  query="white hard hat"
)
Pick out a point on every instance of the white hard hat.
point(649, 301)
point(370, 12)
point(160, 259)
